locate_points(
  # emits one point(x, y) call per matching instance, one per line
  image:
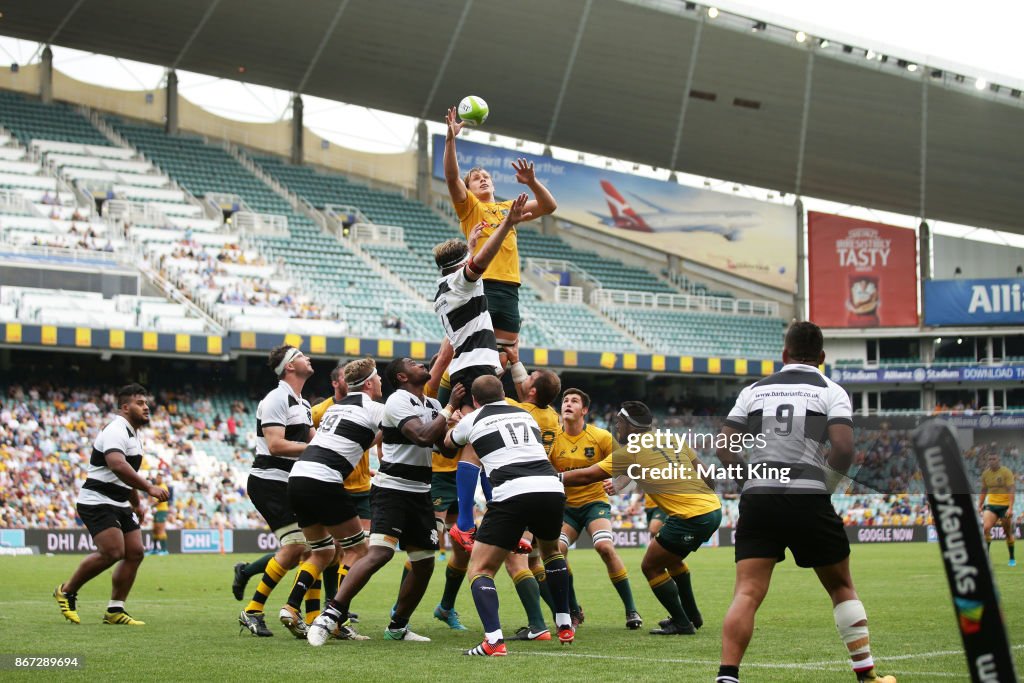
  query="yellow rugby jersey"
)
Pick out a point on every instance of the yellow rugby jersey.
point(649, 503)
point(591, 445)
point(682, 496)
point(162, 505)
point(358, 480)
point(547, 419)
point(439, 463)
point(999, 484)
point(505, 266)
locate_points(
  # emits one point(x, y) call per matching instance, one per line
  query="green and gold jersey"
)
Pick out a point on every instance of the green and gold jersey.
point(591, 445)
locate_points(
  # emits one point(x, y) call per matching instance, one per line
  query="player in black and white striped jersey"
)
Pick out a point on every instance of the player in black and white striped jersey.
point(325, 511)
point(528, 494)
point(110, 508)
point(284, 427)
point(401, 508)
point(793, 413)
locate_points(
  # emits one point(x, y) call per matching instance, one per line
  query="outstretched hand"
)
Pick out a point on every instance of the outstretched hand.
point(454, 126)
point(474, 235)
point(458, 393)
point(524, 171)
point(517, 213)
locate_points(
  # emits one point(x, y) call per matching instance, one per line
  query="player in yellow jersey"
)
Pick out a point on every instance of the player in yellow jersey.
point(998, 490)
point(655, 516)
point(577, 446)
point(160, 519)
point(694, 511)
point(474, 202)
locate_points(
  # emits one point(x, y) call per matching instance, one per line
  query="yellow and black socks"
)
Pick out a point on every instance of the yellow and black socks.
point(257, 567)
point(620, 580)
point(667, 592)
point(307, 580)
point(529, 594)
point(453, 577)
point(542, 585)
point(681, 575)
point(271, 576)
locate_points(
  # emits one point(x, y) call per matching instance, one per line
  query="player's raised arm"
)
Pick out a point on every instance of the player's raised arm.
point(516, 214)
point(587, 475)
point(544, 202)
point(456, 188)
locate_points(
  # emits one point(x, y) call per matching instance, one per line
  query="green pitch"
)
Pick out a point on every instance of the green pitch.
point(192, 634)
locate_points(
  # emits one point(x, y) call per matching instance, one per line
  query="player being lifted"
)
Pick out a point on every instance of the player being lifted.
point(474, 202)
point(995, 504)
point(693, 514)
point(110, 508)
point(576, 446)
point(796, 410)
point(462, 307)
point(527, 494)
point(284, 426)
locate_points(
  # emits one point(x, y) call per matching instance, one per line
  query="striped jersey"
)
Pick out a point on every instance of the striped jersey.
point(102, 486)
point(359, 480)
point(346, 430)
point(404, 465)
point(793, 409)
point(282, 407)
point(462, 307)
point(509, 444)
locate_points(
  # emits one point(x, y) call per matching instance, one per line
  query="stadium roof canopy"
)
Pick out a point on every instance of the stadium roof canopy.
point(604, 76)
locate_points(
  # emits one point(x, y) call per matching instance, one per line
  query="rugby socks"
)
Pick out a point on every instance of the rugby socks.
point(681, 575)
point(274, 573)
point(258, 567)
point(529, 595)
point(485, 596)
point(1010, 542)
point(115, 606)
point(306, 580)
point(573, 605)
point(485, 484)
point(331, 579)
point(558, 580)
point(466, 476)
point(852, 623)
point(542, 585)
point(453, 577)
point(397, 623)
point(728, 674)
point(620, 580)
point(667, 592)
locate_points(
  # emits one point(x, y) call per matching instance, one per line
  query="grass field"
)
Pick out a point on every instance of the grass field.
point(191, 631)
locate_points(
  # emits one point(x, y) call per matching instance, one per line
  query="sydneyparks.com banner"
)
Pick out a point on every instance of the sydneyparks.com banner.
point(862, 274)
point(256, 542)
point(743, 237)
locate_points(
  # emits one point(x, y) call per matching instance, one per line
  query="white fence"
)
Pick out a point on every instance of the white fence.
point(603, 298)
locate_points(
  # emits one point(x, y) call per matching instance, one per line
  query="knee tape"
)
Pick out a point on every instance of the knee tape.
point(322, 544)
point(353, 540)
point(420, 555)
point(290, 535)
point(856, 638)
point(603, 536)
point(564, 538)
point(383, 541)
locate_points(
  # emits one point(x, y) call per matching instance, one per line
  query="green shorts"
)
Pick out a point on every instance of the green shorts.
point(362, 503)
point(655, 513)
point(682, 536)
point(443, 492)
point(581, 517)
point(998, 510)
point(160, 516)
point(503, 305)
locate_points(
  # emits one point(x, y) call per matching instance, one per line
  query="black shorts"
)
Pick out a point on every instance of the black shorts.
point(503, 305)
point(271, 500)
point(404, 515)
point(320, 502)
point(361, 499)
point(99, 518)
point(466, 376)
point(506, 521)
point(807, 524)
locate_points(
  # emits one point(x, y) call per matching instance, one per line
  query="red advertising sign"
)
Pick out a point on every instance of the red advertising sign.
point(862, 274)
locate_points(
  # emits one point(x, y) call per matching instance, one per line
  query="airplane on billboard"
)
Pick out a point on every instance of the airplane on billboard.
point(728, 224)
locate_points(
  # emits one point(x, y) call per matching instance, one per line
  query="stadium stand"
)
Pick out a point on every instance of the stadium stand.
point(674, 331)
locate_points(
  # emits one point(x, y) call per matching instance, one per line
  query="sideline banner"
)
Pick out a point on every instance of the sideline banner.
point(974, 302)
point(744, 237)
point(862, 274)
